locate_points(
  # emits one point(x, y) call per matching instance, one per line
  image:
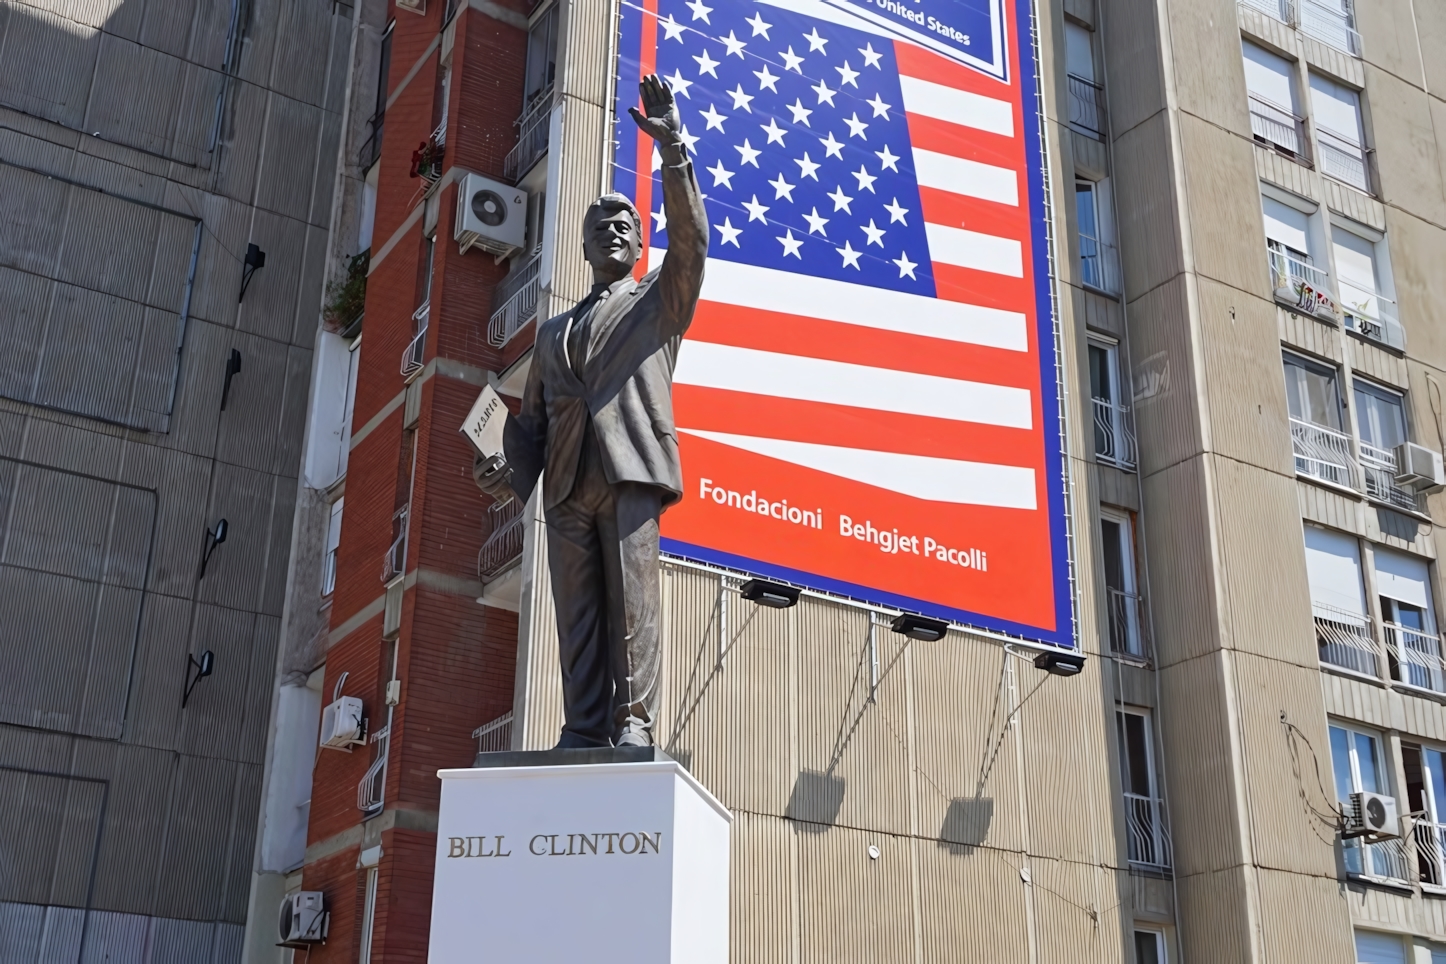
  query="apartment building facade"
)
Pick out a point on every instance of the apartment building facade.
point(1246, 205)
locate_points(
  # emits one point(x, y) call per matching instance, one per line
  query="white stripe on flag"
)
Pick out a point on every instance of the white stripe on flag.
point(957, 106)
point(920, 476)
point(768, 289)
point(970, 249)
point(710, 365)
point(960, 176)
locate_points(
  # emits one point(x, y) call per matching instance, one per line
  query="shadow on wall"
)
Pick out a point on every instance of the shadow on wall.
point(966, 824)
point(815, 801)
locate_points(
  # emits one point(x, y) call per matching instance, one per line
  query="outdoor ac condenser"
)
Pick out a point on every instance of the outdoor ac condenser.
point(1419, 467)
point(342, 724)
point(303, 919)
point(1372, 815)
point(491, 216)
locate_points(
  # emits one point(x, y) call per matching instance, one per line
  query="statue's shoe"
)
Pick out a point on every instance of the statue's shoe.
point(633, 737)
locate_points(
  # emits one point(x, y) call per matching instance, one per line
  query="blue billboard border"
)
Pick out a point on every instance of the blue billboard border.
point(625, 180)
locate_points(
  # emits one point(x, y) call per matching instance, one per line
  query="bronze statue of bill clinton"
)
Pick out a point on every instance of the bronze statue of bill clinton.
point(597, 425)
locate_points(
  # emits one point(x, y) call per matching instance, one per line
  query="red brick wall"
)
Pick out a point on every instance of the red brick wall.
point(455, 658)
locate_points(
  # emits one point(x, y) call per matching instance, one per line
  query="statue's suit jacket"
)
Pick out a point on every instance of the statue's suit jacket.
point(627, 383)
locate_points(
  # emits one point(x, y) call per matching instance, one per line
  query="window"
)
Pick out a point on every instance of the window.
point(333, 397)
point(1358, 765)
point(1338, 601)
point(1274, 114)
point(1374, 948)
point(1149, 841)
point(1412, 645)
point(1293, 273)
point(1364, 289)
point(369, 916)
point(1332, 22)
point(1126, 613)
point(1098, 264)
point(1322, 449)
point(372, 150)
point(1336, 111)
point(1426, 795)
point(333, 540)
point(541, 57)
point(1381, 422)
point(1114, 435)
point(1086, 95)
point(366, 220)
point(1149, 947)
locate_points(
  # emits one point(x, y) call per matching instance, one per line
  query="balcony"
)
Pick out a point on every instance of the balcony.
point(1345, 640)
point(1300, 284)
point(1149, 837)
point(496, 736)
point(504, 543)
point(1430, 840)
point(1323, 453)
point(412, 355)
point(395, 560)
point(1371, 315)
point(1416, 658)
point(1385, 860)
point(1280, 128)
point(1114, 435)
point(1282, 10)
point(534, 128)
point(1343, 159)
point(1087, 107)
point(1379, 468)
point(516, 301)
point(372, 148)
point(371, 790)
point(1099, 265)
point(1129, 625)
point(1331, 22)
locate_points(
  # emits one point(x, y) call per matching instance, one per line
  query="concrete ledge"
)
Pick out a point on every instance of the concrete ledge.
point(568, 758)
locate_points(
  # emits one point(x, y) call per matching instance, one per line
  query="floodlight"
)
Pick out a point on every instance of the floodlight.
point(919, 627)
point(1059, 664)
point(771, 594)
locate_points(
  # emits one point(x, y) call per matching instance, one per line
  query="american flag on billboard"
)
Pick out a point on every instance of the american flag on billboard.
point(866, 401)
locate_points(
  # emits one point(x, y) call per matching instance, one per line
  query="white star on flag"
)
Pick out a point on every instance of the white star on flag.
point(740, 99)
point(760, 29)
point(800, 112)
point(657, 159)
point(875, 233)
point(660, 220)
point(866, 180)
point(706, 65)
point(871, 56)
point(840, 200)
point(734, 45)
point(880, 108)
point(756, 210)
point(672, 29)
point(766, 80)
point(887, 158)
point(774, 132)
point(847, 75)
point(700, 12)
point(750, 154)
point(824, 94)
point(896, 212)
point(791, 244)
point(806, 167)
point(906, 267)
point(791, 60)
point(721, 176)
point(856, 126)
point(832, 148)
point(816, 223)
point(687, 139)
point(679, 84)
point(850, 256)
point(729, 232)
point(784, 189)
point(815, 42)
point(714, 119)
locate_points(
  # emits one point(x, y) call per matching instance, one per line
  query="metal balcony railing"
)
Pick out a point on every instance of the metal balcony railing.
point(504, 542)
point(533, 131)
point(1343, 159)
point(439, 136)
point(1345, 640)
point(1371, 314)
point(1087, 106)
point(1099, 265)
point(371, 790)
point(1332, 22)
point(1384, 859)
point(1280, 128)
point(416, 348)
point(1129, 625)
point(516, 301)
point(1300, 284)
point(496, 736)
point(372, 148)
point(1416, 657)
point(1379, 468)
point(395, 560)
point(1282, 10)
point(1430, 840)
point(1149, 837)
point(1324, 454)
point(1114, 434)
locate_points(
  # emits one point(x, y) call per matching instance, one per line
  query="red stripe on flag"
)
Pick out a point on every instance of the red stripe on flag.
point(989, 290)
point(834, 341)
point(976, 214)
point(915, 61)
point(956, 140)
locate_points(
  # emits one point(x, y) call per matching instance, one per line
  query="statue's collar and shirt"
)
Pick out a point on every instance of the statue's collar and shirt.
point(578, 341)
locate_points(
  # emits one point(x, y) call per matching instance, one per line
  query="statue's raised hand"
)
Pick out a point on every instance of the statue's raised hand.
point(659, 116)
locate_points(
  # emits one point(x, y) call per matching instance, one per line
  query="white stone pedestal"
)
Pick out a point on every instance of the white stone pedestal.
point(603, 863)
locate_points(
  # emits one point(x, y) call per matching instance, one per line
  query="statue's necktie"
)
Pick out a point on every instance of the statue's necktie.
point(581, 336)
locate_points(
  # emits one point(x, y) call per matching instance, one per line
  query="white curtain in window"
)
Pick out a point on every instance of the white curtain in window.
point(1379, 948)
point(1355, 261)
point(1078, 51)
point(1286, 225)
point(1336, 108)
point(1269, 77)
point(1402, 577)
point(1333, 565)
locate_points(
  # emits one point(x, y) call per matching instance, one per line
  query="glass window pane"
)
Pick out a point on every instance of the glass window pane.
point(1436, 781)
point(1336, 108)
point(1341, 763)
point(1111, 533)
point(1381, 417)
point(1379, 949)
point(1084, 194)
point(1311, 393)
point(1147, 948)
point(1367, 763)
point(1101, 384)
point(1079, 57)
point(1135, 755)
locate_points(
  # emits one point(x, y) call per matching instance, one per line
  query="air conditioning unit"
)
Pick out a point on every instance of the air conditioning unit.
point(304, 919)
point(491, 216)
point(1372, 815)
point(1419, 467)
point(342, 724)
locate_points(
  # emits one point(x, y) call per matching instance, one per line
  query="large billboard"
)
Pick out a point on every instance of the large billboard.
point(867, 400)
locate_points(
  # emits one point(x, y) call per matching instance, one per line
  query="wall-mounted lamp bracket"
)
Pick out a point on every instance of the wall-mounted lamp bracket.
point(214, 537)
point(233, 368)
point(202, 667)
point(255, 258)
